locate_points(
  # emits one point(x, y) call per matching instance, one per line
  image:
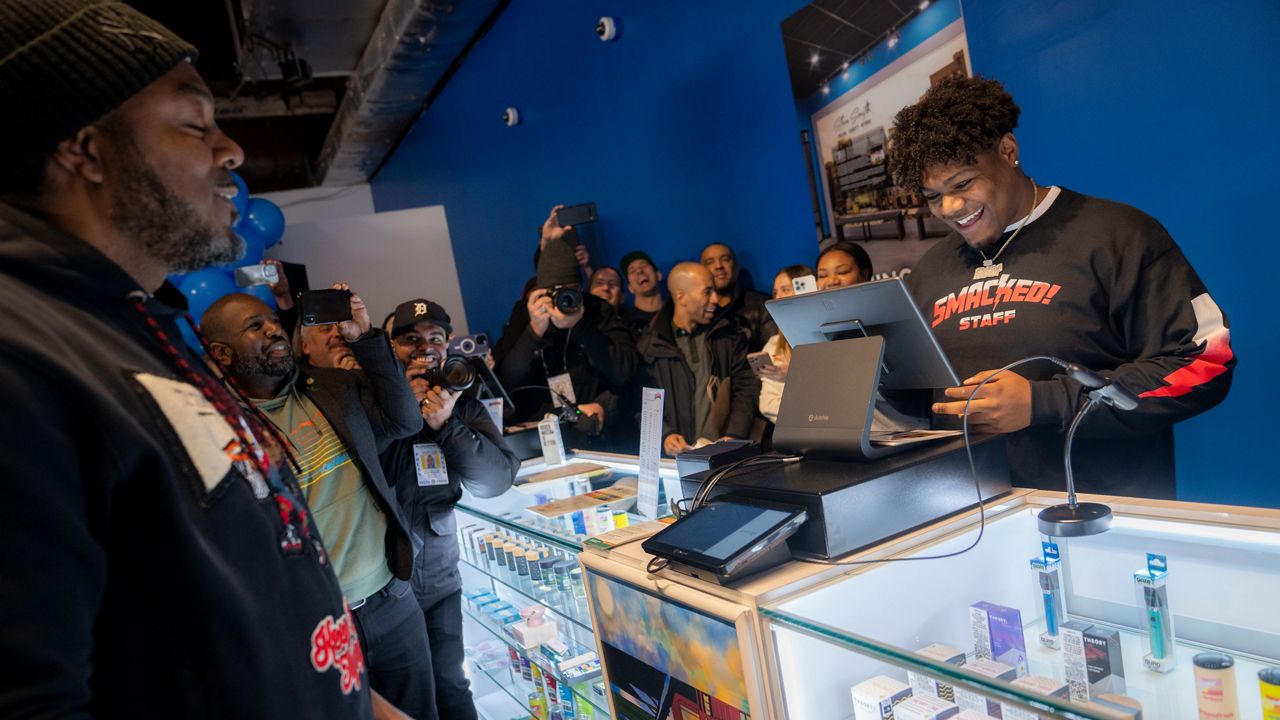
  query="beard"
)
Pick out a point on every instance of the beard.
point(170, 229)
point(261, 366)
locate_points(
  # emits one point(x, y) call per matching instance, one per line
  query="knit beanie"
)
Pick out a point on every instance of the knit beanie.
point(64, 64)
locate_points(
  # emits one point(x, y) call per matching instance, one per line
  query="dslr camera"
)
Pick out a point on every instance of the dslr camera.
point(469, 345)
point(454, 373)
point(566, 298)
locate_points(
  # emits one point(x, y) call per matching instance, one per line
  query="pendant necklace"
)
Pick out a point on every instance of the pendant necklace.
point(989, 267)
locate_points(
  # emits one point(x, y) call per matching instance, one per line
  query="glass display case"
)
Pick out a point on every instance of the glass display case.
point(1140, 616)
point(530, 645)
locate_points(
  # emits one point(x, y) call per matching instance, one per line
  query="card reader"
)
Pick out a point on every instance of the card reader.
point(728, 539)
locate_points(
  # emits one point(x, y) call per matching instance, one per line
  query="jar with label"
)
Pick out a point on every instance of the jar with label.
point(1216, 686)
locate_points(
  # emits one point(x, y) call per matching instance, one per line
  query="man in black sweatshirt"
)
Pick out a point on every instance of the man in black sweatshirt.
point(1032, 270)
point(158, 558)
point(458, 446)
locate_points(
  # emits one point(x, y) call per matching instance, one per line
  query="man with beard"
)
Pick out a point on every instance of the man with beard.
point(458, 446)
point(698, 356)
point(335, 422)
point(744, 305)
point(154, 536)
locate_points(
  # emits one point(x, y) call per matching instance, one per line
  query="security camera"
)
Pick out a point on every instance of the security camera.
point(607, 29)
point(511, 117)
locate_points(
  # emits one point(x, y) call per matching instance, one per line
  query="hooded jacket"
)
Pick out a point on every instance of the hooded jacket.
point(733, 386)
point(143, 574)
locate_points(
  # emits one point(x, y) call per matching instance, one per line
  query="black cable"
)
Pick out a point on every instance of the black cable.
point(973, 470)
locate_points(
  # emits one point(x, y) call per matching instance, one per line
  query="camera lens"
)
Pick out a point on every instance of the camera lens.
point(467, 346)
point(567, 299)
point(455, 374)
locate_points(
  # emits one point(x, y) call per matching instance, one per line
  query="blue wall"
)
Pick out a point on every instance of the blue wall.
point(684, 131)
point(1171, 107)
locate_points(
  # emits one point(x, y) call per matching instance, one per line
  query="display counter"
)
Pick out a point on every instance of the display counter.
point(512, 676)
point(796, 641)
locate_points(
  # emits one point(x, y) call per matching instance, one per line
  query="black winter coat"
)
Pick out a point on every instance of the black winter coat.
point(476, 457)
point(735, 388)
point(598, 353)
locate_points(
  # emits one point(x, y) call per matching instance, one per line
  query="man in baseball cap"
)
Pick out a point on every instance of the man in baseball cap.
point(458, 446)
point(161, 561)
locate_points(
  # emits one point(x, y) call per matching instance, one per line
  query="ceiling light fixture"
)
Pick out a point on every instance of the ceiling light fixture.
point(826, 89)
point(813, 59)
point(924, 5)
point(893, 40)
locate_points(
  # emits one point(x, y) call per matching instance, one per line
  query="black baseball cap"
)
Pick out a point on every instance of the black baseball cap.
point(412, 312)
point(633, 256)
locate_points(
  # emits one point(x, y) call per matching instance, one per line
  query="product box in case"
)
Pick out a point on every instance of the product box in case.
point(875, 699)
point(925, 707)
point(997, 635)
point(922, 684)
point(1035, 685)
point(970, 700)
point(1075, 660)
point(1103, 661)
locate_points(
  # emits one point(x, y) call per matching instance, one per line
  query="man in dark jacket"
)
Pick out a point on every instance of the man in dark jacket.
point(586, 356)
point(700, 359)
point(144, 573)
point(736, 300)
point(458, 446)
point(336, 421)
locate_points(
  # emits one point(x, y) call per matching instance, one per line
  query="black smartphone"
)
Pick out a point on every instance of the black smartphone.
point(576, 214)
point(324, 307)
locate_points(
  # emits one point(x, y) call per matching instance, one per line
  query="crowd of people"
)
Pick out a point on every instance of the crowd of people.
point(264, 528)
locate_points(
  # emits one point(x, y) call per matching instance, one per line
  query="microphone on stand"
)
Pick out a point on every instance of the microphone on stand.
point(1077, 519)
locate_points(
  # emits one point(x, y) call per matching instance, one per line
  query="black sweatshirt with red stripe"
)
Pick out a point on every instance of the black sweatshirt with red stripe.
point(1103, 285)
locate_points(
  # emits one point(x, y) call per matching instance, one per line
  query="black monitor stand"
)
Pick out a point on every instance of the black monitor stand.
point(830, 399)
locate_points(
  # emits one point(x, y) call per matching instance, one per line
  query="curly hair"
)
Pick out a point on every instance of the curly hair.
point(955, 121)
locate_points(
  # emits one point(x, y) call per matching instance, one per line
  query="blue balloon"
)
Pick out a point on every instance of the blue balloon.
point(253, 245)
point(267, 218)
point(263, 293)
point(241, 200)
point(203, 287)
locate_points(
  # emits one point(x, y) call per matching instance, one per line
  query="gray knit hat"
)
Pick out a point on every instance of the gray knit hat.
point(66, 63)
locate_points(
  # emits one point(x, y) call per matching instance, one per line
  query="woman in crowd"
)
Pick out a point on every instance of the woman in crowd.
point(843, 264)
point(773, 376)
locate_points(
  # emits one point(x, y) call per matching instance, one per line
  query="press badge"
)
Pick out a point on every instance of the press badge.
point(561, 389)
point(429, 462)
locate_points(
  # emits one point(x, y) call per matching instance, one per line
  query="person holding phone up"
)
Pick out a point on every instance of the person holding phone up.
point(334, 423)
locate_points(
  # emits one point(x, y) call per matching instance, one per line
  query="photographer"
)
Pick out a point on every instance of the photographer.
point(574, 342)
point(457, 446)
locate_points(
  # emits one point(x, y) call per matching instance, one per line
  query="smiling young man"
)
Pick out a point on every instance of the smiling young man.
point(1034, 269)
point(744, 305)
point(644, 282)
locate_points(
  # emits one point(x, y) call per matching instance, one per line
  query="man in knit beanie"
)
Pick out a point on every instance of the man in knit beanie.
point(159, 560)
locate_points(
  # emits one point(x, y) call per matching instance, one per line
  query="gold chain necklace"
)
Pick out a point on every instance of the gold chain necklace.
point(989, 268)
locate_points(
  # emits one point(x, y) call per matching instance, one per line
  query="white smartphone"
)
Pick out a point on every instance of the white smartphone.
point(804, 284)
point(759, 361)
point(263, 274)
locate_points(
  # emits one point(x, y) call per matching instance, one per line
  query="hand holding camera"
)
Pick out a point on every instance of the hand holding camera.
point(359, 324)
point(436, 402)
